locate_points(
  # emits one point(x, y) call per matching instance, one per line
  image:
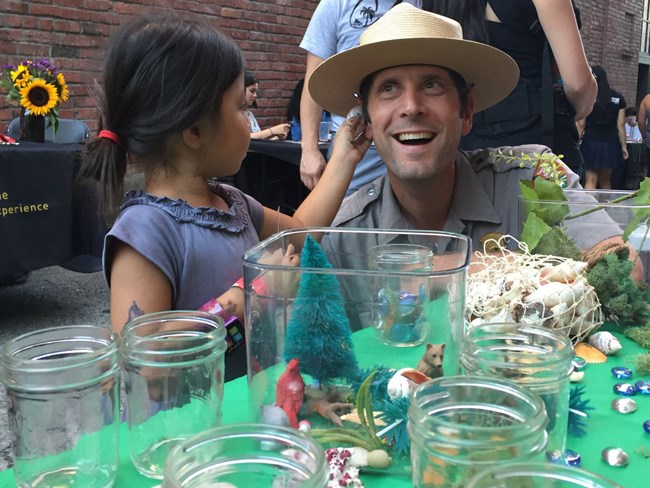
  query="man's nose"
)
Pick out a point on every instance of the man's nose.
point(412, 103)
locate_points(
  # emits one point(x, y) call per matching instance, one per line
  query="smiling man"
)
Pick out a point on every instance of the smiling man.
point(419, 84)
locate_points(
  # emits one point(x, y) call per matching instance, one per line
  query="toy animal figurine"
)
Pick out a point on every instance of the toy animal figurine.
point(290, 391)
point(326, 403)
point(431, 362)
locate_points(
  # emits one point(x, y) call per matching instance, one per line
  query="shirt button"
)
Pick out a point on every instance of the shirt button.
point(371, 191)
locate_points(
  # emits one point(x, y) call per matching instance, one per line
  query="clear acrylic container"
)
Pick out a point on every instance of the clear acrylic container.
point(461, 425)
point(247, 455)
point(311, 303)
point(63, 390)
point(174, 375)
point(534, 357)
point(538, 475)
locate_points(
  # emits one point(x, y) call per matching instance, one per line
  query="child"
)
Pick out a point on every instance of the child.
point(173, 102)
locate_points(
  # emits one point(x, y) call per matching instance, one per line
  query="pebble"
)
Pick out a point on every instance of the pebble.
point(624, 389)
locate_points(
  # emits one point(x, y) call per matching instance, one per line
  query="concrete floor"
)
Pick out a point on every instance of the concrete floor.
point(50, 297)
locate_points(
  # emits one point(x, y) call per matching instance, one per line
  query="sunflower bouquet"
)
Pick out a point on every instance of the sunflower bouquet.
point(36, 86)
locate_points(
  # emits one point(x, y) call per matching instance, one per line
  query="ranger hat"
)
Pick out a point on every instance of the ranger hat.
point(407, 35)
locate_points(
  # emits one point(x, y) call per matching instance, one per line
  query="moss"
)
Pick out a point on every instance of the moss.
point(643, 364)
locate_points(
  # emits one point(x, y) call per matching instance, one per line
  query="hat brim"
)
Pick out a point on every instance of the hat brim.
point(489, 72)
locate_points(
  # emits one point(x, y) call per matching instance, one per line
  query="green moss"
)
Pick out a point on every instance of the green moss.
point(643, 364)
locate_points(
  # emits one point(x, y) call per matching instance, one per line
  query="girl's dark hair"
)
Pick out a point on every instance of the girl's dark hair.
point(161, 75)
point(470, 14)
point(604, 90)
point(249, 79)
point(293, 110)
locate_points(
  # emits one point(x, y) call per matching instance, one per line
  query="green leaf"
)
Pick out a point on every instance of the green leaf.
point(551, 213)
point(557, 243)
point(534, 229)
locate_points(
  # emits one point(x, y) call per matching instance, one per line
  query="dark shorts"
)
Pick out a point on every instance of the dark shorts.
point(601, 155)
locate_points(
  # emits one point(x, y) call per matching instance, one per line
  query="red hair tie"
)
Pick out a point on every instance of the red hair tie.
point(107, 134)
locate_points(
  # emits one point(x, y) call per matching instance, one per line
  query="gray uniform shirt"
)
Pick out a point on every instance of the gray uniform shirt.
point(485, 199)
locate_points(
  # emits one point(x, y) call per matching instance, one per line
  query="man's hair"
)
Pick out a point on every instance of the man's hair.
point(459, 83)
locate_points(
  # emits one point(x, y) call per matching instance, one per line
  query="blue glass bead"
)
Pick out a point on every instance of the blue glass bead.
point(400, 333)
point(642, 387)
point(646, 426)
point(624, 389)
point(572, 458)
point(621, 372)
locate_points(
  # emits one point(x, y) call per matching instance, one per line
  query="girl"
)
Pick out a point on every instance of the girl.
point(279, 131)
point(173, 102)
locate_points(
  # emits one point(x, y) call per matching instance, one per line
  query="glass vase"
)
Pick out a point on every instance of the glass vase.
point(174, 374)
point(63, 390)
point(312, 318)
point(247, 455)
point(461, 425)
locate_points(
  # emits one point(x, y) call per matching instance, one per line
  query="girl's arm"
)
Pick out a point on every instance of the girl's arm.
point(642, 115)
point(620, 125)
point(323, 202)
point(137, 286)
point(559, 23)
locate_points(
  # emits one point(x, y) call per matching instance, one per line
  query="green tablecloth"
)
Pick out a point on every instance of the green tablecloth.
point(604, 426)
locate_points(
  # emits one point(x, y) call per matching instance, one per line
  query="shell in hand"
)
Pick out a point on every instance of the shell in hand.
point(605, 342)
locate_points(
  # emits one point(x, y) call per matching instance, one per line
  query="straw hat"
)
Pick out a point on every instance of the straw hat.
point(407, 35)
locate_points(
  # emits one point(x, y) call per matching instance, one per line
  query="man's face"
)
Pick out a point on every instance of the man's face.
point(415, 119)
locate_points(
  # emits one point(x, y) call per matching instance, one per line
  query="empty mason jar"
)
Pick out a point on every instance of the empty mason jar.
point(461, 425)
point(63, 393)
point(174, 367)
point(399, 296)
point(538, 475)
point(247, 455)
point(537, 358)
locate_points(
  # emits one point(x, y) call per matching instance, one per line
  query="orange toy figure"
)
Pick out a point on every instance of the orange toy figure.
point(290, 391)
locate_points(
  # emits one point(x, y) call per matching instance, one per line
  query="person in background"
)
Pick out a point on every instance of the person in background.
point(279, 131)
point(334, 27)
point(555, 88)
point(177, 244)
point(632, 132)
point(604, 145)
point(642, 119)
point(293, 112)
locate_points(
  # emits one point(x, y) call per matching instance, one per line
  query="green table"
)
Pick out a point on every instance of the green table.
point(604, 426)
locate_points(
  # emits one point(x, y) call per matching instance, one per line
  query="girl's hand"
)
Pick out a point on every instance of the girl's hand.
point(281, 131)
point(351, 141)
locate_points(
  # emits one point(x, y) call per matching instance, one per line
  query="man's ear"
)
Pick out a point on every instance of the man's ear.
point(193, 136)
point(468, 117)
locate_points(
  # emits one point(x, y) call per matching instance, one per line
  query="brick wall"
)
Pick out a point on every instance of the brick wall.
point(611, 33)
point(73, 34)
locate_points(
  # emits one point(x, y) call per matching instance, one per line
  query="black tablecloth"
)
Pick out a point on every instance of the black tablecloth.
point(46, 218)
point(634, 168)
point(270, 173)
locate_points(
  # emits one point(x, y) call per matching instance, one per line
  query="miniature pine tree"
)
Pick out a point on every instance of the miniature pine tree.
point(318, 332)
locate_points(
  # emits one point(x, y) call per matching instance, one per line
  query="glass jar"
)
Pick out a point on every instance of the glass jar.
point(317, 307)
point(461, 425)
point(174, 374)
point(535, 357)
point(538, 475)
point(247, 455)
point(397, 298)
point(63, 393)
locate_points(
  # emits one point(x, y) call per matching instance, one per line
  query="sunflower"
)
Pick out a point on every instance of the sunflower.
point(63, 87)
point(38, 97)
point(20, 77)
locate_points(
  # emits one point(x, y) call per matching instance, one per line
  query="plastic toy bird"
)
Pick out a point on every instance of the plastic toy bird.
point(290, 392)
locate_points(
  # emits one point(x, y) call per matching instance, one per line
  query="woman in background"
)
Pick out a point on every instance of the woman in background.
point(279, 131)
point(604, 143)
point(555, 88)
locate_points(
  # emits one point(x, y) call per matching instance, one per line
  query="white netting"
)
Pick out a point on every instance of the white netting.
point(531, 288)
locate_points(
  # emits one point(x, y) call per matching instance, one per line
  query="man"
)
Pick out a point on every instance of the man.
point(335, 26)
point(419, 84)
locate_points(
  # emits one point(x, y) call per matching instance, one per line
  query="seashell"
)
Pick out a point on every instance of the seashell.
point(576, 376)
point(605, 342)
point(565, 272)
point(401, 385)
point(589, 353)
point(378, 459)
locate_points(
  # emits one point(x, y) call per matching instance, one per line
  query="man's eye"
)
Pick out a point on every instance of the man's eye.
point(435, 85)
